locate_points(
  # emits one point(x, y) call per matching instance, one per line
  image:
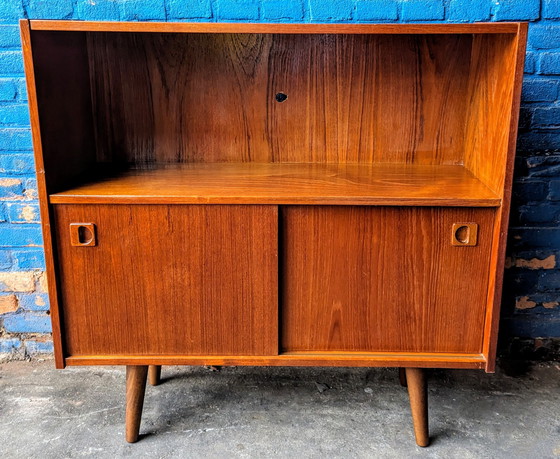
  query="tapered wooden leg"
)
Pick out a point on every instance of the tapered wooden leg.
point(402, 377)
point(418, 394)
point(154, 375)
point(135, 389)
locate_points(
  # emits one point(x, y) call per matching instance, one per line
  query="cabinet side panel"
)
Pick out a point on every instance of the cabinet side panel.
point(64, 104)
point(501, 226)
point(383, 280)
point(491, 87)
point(42, 192)
point(164, 280)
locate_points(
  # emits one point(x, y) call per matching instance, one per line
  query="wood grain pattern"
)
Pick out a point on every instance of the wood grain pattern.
point(154, 375)
point(135, 390)
point(42, 191)
point(211, 97)
point(497, 261)
point(255, 183)
point(305, 359)
point(492, 81)
point(418, 393)
point(170, 279)
point(382, 279)
point(201, 27)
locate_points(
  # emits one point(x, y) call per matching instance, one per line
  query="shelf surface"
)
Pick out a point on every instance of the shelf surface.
point(282, 183)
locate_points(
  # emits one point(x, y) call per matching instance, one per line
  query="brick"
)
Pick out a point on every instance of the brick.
point(11, 62)
point(278, 10)
point(42, 282)
point(142, 10)
point(48, 9)
point(549, 281)
point(17, 163)
point(525, 118)
point(531, 326)
point(6, 261)
point(524, 303)
point(194, 9)
point(335, 10)
point(27, 323)
point(33, 347)
point(535, 141)
point(546, 117)
point(97, 10)
point(549, 64)
point(543, 166)
point(533, 263)
point(34, 301)
point(25, 259)
point(10, 188)
point(534, 238)
point(469, 11)
point(16, 139)
point(8, 89)
point(21, 89)
point(422, 10)
point(530, 63)
point(551, 9)
point(9, 36)
point(238, 10)
point(554, 188)
point(30, 188)
point(19, 212)
point(8, 303)
point(540, 90)
point(516, 10)
point(544, 36)
point(376, 10)
point(21, 236)
point(11, 10)
point(530, 190)
point(14, 114)
point(541, 213)
point(17, 281)
point(9, 345)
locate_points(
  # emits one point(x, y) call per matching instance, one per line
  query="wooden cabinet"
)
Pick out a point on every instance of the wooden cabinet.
point(274, 194)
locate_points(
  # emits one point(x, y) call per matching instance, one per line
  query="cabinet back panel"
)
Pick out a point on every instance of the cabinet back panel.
point(196, 280)
point(212, 97)
point(383, 279)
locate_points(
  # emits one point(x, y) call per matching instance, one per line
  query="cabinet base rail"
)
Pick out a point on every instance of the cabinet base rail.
point(136, 376)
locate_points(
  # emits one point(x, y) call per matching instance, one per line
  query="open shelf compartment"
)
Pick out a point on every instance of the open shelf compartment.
point(286, 183)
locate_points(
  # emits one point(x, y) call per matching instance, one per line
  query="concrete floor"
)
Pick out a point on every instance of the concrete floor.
point(276, 412)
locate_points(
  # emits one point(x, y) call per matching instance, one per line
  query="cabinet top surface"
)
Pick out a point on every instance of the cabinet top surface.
point(276, 28)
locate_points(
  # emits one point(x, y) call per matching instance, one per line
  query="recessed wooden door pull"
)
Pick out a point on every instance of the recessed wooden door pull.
point(464, 234)
point(82, 235)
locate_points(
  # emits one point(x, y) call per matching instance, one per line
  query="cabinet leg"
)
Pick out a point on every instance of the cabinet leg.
point(402, 377)
point(154, 375)
point(135, 389)
point(418, 394)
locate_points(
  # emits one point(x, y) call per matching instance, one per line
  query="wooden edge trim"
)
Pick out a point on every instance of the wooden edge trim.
point(493, 317)
point(272, 200)
point(301, 28)
point(476, 361)
point(25, 32)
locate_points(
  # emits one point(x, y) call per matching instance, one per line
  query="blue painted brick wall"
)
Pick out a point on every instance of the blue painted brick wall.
point(532, 285)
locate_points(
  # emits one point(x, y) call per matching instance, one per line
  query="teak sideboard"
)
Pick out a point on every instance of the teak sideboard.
point(274, 194)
